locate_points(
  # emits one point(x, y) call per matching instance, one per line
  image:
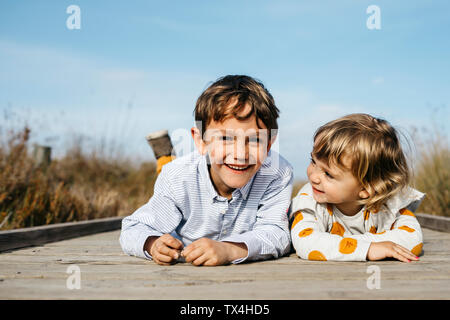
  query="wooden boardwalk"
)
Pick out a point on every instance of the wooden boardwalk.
point(107, 273)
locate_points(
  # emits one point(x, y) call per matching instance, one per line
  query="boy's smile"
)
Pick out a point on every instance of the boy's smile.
point(236, 149)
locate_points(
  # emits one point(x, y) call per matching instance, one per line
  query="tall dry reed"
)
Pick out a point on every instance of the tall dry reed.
point(432, 173)
point(76, 187)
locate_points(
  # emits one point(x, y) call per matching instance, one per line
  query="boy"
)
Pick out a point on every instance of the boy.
point(226, 203)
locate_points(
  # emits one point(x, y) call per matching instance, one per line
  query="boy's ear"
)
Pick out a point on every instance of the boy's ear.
point(199, 143)
point(271, 142)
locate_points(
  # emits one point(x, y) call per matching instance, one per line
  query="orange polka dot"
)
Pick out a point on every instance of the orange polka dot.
point(330, 209)
point(417, 249)
point(406, 212)
point(406, 228)
point(305, 232)
point(366, 215)
point(347, 245)
point(373, 230)
point(337, 229)
point(392, 227)
point(316, 255)
point(381, 232)
point(304, 194)
point(298, 217)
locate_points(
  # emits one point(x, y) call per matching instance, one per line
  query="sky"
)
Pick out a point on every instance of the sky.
point(137, 67)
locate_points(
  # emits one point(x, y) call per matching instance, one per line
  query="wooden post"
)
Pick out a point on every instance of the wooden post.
point(162, 147)
point(42, 155)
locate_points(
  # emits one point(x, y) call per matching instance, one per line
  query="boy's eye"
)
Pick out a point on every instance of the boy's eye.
point(328, 175)
point(312, 161)
point(226, 138)
point(253, 140)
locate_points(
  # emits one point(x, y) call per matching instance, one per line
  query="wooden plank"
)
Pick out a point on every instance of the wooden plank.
point(438, 223)
point(107, 273)
point(25, 237)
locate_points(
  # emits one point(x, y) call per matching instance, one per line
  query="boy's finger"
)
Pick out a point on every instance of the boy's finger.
point(172, 242)
point(194, 254)
point(200, 260)
point(162, 258)
point(175, 254)
point(187, 250)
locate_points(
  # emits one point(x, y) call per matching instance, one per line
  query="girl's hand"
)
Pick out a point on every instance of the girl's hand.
point(389, 249)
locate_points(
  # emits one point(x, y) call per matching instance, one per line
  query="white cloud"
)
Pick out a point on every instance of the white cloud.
point(378, 80)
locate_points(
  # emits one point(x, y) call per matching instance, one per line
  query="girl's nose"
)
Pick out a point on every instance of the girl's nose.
point(314, 175)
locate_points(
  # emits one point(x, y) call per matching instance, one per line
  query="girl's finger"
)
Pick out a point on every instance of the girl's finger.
point(406, 253)
point(397, 254)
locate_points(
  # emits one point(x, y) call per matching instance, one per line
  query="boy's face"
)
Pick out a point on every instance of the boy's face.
point(335, 185)
point(236, 149)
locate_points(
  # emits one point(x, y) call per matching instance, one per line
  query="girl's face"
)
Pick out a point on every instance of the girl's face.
point(335, 185)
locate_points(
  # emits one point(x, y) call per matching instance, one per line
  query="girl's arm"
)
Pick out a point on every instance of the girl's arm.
point(404, 231)
point(311, 239)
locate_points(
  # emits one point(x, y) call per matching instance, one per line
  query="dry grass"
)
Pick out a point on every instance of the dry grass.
point(432, 174)
point(74, 188)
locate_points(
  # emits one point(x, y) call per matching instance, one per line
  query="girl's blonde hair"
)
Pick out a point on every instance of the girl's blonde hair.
point(373, 145)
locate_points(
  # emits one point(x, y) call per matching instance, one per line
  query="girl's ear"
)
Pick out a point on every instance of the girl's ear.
point(199, 143)
point(364, 194)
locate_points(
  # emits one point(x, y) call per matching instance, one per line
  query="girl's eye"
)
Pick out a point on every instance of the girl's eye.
point(312, 161)
point(328, 175)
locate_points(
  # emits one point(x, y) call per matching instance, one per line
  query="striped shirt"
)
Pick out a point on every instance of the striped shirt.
point(186, 205)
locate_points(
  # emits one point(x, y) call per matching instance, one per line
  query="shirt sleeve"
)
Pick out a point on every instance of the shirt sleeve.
point(310, 237)
point(269, 237)
point(405, 231)
point(160, 215)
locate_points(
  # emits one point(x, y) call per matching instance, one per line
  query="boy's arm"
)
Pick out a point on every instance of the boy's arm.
point(158, 216)
point(270, 234)
point(311, 239)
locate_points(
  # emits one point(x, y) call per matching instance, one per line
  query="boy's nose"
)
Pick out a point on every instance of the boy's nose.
point(240, 150)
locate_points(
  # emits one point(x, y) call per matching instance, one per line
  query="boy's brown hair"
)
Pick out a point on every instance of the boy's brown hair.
point(373, 145)
point(228, 97)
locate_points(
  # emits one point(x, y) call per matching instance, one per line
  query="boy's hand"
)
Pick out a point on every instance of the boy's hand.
point(389, 249)
point(164, 249)
point(209, 252)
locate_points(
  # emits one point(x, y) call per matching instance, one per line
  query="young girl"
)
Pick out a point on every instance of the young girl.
point(357, 205)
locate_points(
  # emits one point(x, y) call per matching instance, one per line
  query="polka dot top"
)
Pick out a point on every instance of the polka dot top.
point(322, 232)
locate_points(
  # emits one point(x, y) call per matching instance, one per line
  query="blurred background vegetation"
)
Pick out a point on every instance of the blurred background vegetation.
point(81, 186)
point(78, 186)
